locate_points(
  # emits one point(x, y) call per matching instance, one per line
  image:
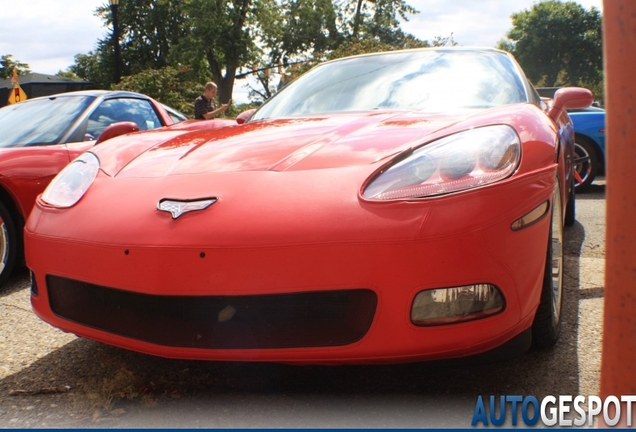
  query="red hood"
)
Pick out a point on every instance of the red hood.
point(276, 145)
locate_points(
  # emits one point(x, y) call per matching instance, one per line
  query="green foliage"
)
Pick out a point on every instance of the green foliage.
point(213, 38)
point(310, 26)
point(310, 31)
point(7, 64)
point(379, 19)
point(149, 29)
point(441, 41)
point(171, 86)
point(149, 32)
point(166, 85)
point(597, 86)
point(505, 45)
point(185, 43)
point(94, 68)
point(384, 24)
point(235, 110)
point(557, 43)
point(288, 33)
point(294, 28)
point(357, 47)
point(67, 74)
point(221, 32)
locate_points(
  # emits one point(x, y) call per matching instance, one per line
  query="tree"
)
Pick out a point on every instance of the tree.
point(306, 32)
point(379, 18)
point(557, 43)
point(441, 41)
point(212, 37)
point(7, 65)
point(215, 39)
point(67, 74)
point(149, 30)
point(295, 28)
point(289, 33)
point(94, 68)
point(166, 85)
point(221, 32)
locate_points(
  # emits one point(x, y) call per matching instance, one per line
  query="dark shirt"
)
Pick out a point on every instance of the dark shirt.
point(202, 106)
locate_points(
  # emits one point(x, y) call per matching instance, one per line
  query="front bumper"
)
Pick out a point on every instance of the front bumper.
point(392, 250)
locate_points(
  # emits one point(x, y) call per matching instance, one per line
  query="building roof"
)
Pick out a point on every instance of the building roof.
point(38, 78)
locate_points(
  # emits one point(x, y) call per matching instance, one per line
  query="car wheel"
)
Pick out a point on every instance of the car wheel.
point(570, 209)
point(547, 321)
point(585, 164)
point(8, 244)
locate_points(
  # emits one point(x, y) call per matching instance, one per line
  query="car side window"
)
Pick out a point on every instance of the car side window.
point(111, 111)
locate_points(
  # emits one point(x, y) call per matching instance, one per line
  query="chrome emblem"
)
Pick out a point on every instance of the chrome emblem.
point(178, 207)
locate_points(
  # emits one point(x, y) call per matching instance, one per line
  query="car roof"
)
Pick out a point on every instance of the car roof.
point(442, 48)
point(94, 93)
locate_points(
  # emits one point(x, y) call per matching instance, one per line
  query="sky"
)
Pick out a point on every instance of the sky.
point(47, 34)
point(471, 22)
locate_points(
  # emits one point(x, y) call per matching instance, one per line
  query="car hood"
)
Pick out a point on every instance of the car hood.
point(273, 145)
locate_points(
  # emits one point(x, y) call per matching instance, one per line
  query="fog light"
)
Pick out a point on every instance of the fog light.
point(457, 304)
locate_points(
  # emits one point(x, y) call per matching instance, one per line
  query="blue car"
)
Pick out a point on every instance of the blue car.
point(589, 129)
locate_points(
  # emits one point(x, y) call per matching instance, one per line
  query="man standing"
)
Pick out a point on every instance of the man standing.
point(204, 106)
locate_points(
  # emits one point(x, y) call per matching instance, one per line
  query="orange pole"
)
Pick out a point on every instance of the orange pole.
point(618, 365)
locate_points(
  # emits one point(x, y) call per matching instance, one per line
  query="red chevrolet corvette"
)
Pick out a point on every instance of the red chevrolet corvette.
point(389, 207)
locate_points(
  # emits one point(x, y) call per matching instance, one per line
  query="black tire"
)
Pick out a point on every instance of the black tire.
point(570, 209)
point(547, 322)
point(585, 164)
point(8, 244)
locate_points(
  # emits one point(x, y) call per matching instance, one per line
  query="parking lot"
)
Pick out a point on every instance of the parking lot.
point(52, 379)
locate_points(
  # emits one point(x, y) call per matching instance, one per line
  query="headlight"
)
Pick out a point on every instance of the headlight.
point(457, 162)
point(72, 182)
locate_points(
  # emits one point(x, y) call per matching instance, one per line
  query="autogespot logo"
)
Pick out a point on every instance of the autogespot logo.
point(563, 410)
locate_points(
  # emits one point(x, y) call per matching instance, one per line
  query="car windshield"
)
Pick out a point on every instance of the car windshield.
point(176, 116)
point(40, 121)
point(427, 80)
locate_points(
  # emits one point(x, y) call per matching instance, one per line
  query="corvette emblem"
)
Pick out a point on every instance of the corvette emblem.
point(178, 207)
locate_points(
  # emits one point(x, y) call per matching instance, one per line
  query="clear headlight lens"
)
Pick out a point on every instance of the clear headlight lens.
point(72, 182)
point(457, 162)
point(456, 304)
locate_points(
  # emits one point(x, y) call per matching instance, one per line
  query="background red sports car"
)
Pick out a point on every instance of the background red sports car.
point(389, 207)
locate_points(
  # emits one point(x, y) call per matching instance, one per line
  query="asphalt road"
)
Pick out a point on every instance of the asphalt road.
point(52, 379)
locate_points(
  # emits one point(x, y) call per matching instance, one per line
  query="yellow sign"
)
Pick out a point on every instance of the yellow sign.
point(16, 94)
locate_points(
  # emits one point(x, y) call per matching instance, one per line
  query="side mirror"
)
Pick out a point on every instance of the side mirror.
point(569, 98)
point(245, 116)
point(117, 129)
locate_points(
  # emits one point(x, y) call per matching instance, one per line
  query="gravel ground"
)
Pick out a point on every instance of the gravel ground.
point(52, 379)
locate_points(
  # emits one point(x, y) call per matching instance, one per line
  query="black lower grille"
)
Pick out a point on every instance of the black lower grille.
point(307, 319)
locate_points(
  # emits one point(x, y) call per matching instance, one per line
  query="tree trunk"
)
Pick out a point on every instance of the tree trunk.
point(225, 88)
point(225, 84)
point(357, 18)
